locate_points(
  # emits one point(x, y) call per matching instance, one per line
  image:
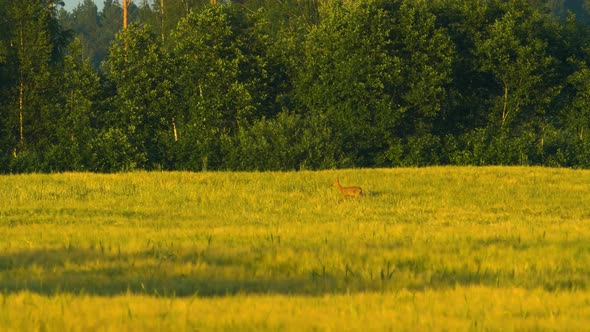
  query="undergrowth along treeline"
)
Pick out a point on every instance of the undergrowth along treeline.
point(298, 85)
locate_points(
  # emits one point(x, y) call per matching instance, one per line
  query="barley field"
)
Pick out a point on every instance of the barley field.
point(424, 249)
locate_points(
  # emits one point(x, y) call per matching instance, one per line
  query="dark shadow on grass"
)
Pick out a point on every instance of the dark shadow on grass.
point(189, 272)
point(376, 194)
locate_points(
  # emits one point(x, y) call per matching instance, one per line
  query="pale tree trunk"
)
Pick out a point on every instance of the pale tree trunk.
point(174, 130)
point(186, 7)
point(505, 109)
point(21, 105)
point(125, 16)
point(125, 5)
point(33, 49)
point(543, 138)
point(162, 18)
point(21, 97)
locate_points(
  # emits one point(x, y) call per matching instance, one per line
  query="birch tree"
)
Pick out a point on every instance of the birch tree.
point(31, 44)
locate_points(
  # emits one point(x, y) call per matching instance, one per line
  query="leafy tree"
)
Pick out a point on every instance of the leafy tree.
point(36, 43)
point(6, 82)
point(575, 118)
point(224, 80)
point(287, 13)
point(164, 15)
point(142, 73)
point(33, 50)
point(377, 70)
point(73, 128)
point(84, 21)
point(96, 30)
point(514, 51)
point(467, 99)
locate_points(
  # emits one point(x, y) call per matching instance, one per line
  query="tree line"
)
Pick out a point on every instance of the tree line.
point(292, 84)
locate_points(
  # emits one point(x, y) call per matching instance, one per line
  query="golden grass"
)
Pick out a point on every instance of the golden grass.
point(457, 309)
point(441, 248)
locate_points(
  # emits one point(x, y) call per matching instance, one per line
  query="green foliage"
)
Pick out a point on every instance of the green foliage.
point(575, 118)
point(377, 70)
point(292, 84)
point(142, 73)
point(422, 150)
point(76, 108)
point(96, 30)
point(224, 78)
point(268, 145)
point(514, 51)
point(112, 152)
point(287, 142)
point(35, 48)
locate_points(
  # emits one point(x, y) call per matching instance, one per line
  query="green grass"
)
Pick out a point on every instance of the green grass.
point(442, 248)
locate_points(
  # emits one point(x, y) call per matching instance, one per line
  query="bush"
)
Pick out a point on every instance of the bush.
point(112, 152)
point(286, 142)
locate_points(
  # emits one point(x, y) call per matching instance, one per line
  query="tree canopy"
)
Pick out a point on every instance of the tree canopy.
point(293, 84)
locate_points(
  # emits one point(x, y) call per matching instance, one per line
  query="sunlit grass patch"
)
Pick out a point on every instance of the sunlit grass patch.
point(471, 247)
point(461, 308)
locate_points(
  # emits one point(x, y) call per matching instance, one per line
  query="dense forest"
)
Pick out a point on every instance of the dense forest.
point(293, 84)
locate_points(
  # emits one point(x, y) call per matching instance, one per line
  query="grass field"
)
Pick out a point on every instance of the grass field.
point(442, 248)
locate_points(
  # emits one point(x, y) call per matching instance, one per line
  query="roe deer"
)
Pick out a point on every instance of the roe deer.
point(354, 192)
